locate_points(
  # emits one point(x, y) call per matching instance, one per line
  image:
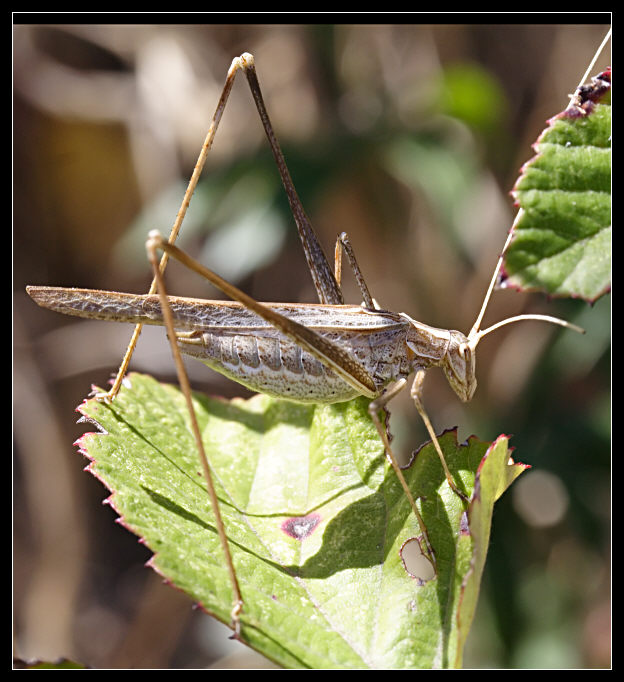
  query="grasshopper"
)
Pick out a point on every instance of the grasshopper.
point(321, 353)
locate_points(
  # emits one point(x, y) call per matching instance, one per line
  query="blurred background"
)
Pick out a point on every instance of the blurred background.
point(408, 137)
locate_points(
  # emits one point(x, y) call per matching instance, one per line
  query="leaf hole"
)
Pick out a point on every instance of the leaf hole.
point(415, 562)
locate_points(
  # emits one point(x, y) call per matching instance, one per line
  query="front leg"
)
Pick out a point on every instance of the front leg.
point(416, 393)
point(374, 407)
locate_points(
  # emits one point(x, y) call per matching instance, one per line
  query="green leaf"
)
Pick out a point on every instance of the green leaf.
point(318, 524)
point(562, 237)
point(61, 664)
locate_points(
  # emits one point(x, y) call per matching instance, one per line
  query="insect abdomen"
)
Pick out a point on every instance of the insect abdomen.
point(270, 364)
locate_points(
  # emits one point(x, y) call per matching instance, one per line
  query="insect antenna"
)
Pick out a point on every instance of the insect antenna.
point(476, 334)
point(517, 318)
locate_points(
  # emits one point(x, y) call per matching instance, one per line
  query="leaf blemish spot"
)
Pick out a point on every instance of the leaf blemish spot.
point(301, 527)
point(464, 527)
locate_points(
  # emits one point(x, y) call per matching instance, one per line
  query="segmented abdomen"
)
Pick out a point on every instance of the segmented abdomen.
point(268, 362)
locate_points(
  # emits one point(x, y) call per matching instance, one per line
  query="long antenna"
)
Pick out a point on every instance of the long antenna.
point(499, 265)
point(474, 332)
point(516, 318)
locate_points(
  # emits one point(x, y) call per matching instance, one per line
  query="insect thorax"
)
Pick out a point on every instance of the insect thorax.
point(434, 347)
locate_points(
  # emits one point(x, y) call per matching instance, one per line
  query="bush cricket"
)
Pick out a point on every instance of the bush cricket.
point(322, 353)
